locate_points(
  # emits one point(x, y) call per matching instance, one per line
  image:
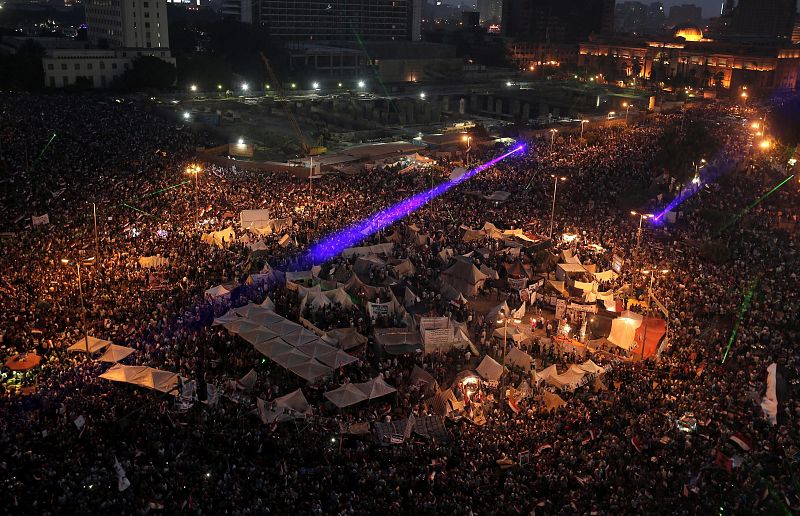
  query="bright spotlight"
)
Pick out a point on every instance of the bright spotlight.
point(193, 87)
point(241, 141)
point(186, 115)
point(315, 85)
point(361, 84)
point(245, 86)
point(422, 95)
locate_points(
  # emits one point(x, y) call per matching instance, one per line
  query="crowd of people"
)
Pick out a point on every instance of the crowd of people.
point(730, 293)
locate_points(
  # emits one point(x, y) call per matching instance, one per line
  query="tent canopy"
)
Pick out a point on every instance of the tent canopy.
point(95, 344)
point(376, 388)
point(519, 358)
point(489, 369)
point(294, 401)
point(115, 353)
point(346, 395)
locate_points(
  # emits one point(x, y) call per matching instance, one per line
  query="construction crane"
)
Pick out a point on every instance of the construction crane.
point(305, 149)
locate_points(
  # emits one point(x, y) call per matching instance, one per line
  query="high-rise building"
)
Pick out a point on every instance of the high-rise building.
point(128, 23)
point(324, 20)
point(557, 21)
point(686, 13)
point(764, 19)
point(491, 11)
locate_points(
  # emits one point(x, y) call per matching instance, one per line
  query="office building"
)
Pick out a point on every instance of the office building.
point(768, 19)
point(686, 13)
point(324, 21)
point(557, 21)
point(128, 23)
point(491, 12)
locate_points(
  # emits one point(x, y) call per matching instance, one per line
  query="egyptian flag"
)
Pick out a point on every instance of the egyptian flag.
point(743, 442)
point(542, 448)
point(637, 443)
point(700, 369)
point(591, 437)
point(513, 404)
point(723, 461)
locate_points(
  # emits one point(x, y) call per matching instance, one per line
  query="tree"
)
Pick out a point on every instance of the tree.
point(23, 70)
point(147, 72)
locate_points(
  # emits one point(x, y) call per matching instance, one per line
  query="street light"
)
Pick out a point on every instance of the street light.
point(361, 85)
point(504, 321)
point(193, 87)
point(583, 122)
point(85, 262)
point(552, 137)
point(186, 115)
point(340, 84)
point(219, 86)
point(553, 209)
point(627, 108)
point(245, 86)
point(315, 85)
point(422, 95)
point(195, 169)
point(641, 216)
point(652, 274)
point(468, 140)
point(765, 144)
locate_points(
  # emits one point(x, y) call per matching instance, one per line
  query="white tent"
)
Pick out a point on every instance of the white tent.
point(494, 313)
point(251, 309)
point(346, 395)
point(571, 378)
point(340, 296)
point(519, 358)
point(317, 300)
point(310, 370)
point(316, 348)
point(285, 327)
point(295, 401)
point(291, 358)
point(266, 318)
point(115, 353)
point(301, 337)
point(272, 348)
point(162, 381)
point(375, 388)
point(126, 374)
point(563, 270)
point(590, 367)
point(219, 238)
point(464, 277)
point(258, 335)
point(217, 291)
point(512, 333)
point(608, 275)
point(337, 358)
point(346, 338)
point(241, 325)
point(545, 373)
point(489, 369)
point(95, 344)
point(385, 249)
point(229, 316)
point(489, 272)
point(267, 303)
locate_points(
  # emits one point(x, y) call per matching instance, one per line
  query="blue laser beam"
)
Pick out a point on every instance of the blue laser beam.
point(334, 244)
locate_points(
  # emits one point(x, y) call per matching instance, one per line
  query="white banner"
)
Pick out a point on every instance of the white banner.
point(40, 220)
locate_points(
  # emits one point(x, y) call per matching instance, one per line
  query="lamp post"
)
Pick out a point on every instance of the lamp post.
point(652, 274)
point(310, 173)
point(627, 108)
point(504, 321)
point(552, 137)
point(553, 209)
point(468, 140)
point(641, 216)
point(582, 124)
point(85, 262)
point(195, 169)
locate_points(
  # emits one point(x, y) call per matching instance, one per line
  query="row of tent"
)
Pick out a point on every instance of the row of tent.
point(352, 393)
point(287, 343)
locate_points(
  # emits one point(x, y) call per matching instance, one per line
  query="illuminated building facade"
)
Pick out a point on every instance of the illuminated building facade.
point(698, 63)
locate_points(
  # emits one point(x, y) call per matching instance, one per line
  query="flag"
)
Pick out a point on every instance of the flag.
point(591, 437)
point(542, 448)
point(213, 394)
point(723, 461)
point(513, 404)
point(700, 370)
point(262, 410)
point(122, 480)
point(248, 381)
point(396, 439)
point(637, 443)
point(80, 421)
point(188, 389)
point(743, 442)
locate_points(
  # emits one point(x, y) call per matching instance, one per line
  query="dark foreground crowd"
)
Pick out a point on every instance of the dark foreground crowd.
point(612, 450)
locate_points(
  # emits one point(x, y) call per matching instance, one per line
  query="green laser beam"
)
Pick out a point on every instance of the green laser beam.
point(374, 69)
point(139, 210)
point(150, 194)
point(756, 203)
point(748, 297)
point(45, 148)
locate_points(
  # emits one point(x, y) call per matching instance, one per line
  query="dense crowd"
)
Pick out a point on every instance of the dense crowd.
point(608, 451)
